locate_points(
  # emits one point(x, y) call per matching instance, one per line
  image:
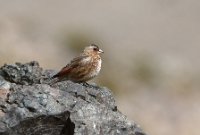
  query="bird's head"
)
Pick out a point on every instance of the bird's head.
point(92, 49)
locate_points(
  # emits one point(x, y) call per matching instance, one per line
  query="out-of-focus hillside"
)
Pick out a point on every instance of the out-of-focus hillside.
point(151, 52)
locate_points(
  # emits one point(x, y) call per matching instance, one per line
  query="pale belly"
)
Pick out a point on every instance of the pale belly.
point(95, 72)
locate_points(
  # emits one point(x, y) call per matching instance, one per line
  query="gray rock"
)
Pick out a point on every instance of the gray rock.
point(31, 107)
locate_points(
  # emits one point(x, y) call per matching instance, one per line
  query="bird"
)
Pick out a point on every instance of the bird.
point(82, 68)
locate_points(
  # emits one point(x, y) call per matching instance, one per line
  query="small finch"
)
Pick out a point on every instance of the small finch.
point(82, 68)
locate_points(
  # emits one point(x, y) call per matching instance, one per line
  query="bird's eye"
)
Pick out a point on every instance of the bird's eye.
point(95, 49)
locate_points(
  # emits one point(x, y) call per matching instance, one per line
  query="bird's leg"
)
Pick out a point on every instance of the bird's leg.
point(86, 84)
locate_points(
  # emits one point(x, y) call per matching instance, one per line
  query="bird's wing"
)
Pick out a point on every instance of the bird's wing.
point(73, 64)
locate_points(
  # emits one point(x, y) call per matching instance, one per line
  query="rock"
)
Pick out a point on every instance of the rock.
point(29, 106)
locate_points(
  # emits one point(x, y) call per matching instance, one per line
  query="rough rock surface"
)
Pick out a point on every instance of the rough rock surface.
point(28, 106)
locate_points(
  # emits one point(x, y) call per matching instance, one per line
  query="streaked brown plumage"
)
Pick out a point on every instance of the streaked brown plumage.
point(82, 68)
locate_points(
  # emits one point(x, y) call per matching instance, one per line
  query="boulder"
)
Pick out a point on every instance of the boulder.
point(30, 106)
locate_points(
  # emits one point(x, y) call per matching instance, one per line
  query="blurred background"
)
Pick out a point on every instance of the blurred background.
point(151, 60)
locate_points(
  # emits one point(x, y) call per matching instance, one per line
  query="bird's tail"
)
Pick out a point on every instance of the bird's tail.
point(53, 80)
point(50, 81)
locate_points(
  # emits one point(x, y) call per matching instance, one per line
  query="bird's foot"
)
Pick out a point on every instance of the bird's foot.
point(86, 84)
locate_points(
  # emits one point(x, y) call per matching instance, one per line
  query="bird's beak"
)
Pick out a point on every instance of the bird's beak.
point(100, 51)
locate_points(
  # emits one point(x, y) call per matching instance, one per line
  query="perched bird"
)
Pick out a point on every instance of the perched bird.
point(82, 68)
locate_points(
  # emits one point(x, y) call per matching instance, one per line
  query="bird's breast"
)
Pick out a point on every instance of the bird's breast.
point(96, 67)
